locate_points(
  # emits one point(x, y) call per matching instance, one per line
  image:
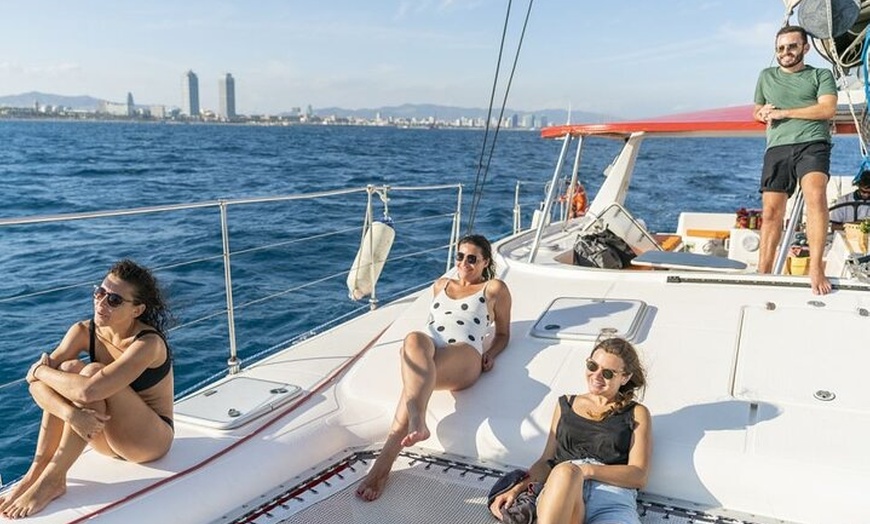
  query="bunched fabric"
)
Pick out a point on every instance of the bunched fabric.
point(524, 507)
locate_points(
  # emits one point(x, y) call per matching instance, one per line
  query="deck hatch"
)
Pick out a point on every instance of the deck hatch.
point(579, 318)
point(234, 402)
point(801, 355)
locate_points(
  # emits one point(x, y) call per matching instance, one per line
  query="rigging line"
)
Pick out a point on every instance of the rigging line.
point(478, 190)
point(479, 194)
point(473, 208)
point(843, 79)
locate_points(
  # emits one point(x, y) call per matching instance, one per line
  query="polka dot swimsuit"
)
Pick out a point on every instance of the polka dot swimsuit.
point(452, 321)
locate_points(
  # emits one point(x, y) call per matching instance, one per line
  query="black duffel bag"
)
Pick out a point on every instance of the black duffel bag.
point(602, 249)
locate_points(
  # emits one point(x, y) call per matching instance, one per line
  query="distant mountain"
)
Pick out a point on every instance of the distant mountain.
point(420, 111)
point(406, 111)
point(85, 103)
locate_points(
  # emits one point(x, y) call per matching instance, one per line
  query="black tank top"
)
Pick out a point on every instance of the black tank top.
point(150, 376)
point(607, 440)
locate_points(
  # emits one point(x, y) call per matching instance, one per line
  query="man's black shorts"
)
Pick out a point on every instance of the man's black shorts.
point(785, 165)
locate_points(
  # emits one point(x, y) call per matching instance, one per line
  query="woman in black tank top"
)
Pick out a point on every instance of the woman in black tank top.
point(598, 452)
point(120, 403)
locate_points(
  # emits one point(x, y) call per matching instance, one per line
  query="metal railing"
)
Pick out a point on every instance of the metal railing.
point(451, 214)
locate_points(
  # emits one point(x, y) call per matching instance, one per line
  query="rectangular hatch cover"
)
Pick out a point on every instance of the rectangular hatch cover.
point(806, 355)
point(578, 318)
point(234, 402)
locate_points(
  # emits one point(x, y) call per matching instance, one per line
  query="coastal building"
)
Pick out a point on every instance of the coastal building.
point(190, 94)
point(227, 95)
point(528, 121)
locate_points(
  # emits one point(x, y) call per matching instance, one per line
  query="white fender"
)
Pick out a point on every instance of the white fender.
point(377, 241)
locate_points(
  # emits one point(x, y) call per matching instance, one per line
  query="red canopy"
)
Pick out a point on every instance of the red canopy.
point(727, 121)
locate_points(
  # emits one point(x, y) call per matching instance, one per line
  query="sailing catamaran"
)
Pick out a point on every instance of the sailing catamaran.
point(756, 396)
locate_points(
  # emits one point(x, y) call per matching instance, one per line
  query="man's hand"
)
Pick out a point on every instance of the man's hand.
point(768, 113)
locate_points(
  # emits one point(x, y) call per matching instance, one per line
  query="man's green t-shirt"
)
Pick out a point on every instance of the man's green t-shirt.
point(790, 90)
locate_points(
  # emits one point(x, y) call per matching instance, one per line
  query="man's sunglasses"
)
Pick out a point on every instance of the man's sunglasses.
point(788, 47)
point(470, 259)
point(608, 374)
point(112, 299)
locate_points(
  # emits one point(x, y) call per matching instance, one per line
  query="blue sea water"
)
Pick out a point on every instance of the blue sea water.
point(47, 270)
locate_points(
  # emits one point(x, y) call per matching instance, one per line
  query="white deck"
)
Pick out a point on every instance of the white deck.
point(739, 380)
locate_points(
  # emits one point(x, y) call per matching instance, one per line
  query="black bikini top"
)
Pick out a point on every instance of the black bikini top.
point(150, 376)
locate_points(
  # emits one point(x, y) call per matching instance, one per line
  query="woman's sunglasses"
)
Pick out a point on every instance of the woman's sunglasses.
point(470, 259)
point(112, 299)
point(608, 374)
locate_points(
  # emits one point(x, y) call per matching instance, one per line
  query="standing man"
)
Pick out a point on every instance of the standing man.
point(797, 102)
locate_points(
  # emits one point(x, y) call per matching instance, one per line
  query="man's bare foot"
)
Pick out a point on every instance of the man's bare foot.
point(820, 283)
point(372, 486)
point(20, 487)
point(36, 498)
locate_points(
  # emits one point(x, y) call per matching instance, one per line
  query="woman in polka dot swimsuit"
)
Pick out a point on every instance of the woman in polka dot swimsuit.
point(452, 351)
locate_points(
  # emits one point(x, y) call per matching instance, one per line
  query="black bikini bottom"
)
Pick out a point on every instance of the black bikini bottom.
point(168, 421)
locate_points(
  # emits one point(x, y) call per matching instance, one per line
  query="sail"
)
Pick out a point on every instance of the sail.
point(838, 28)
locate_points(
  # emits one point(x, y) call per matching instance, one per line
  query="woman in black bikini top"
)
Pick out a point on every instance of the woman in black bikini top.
point(120, 403)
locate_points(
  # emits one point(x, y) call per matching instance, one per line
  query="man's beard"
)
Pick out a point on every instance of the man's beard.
point(793, 59)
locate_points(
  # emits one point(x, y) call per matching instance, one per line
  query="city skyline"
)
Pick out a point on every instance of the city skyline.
point(687, 54)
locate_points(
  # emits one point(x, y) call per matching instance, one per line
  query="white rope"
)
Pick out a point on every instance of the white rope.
point(789, 10)
point(842, 78)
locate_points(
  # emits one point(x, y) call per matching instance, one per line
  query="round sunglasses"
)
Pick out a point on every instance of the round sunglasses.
point(113, 300)
point(470, 259)
point(608, 374)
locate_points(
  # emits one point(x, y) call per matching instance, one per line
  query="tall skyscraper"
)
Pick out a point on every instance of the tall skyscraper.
point(227, 95)
point(190, 94)
point(131, 107)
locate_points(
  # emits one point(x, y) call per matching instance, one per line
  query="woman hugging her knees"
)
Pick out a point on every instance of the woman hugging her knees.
point(121, 403)
point(450, 353)
point(598, 452)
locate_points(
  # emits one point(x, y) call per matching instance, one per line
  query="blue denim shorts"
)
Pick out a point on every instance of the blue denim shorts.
point(608, 504)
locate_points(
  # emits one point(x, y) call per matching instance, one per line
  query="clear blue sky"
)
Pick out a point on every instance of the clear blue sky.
point(628, 58)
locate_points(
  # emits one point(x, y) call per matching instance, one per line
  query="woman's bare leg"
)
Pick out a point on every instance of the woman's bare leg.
point(423, 370)
point(418, 382)
point(132, 431)
point(373, 484)
point(561, 502)
point(51, 483)
point(50, 432)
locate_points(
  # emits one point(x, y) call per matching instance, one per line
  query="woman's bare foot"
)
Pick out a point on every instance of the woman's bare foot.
point(417, 429)
point(416, 436)
point(21, 486)
point(372, 486)
point(36, 498)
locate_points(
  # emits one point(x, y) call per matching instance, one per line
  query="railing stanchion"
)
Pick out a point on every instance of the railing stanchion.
point(454, 234)
point(794, 223)
point(551, 195)
point(233, 363)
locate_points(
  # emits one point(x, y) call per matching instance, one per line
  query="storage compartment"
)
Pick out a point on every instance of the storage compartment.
point(234, 402)
point(785, 355)
point(576, 318)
